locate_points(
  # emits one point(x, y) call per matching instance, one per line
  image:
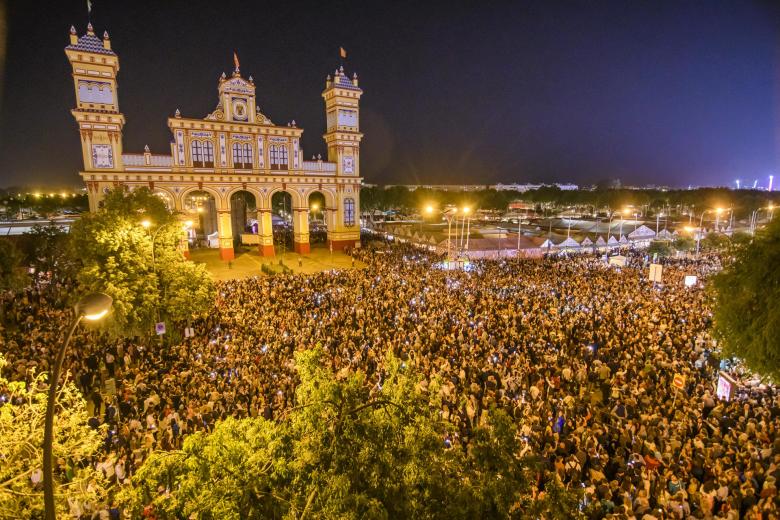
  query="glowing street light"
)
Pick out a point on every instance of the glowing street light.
point(92, 307)
point(146, 224)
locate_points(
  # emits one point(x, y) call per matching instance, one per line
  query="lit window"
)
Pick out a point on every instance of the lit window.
point(237, 160)
point(278, 156)
point(208, 153)
point(197, 152)
point(202, 154)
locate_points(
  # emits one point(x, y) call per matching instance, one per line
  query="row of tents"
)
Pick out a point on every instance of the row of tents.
point(640, 237)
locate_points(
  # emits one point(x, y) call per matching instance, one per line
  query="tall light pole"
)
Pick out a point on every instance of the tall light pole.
point(466, 212)
point(718, 211)
point(92, 307)
point(450, 216)
point(609, 227)
point(428, 211)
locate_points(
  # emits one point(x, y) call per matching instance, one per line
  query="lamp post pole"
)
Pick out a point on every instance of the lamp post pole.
point(93, 307)
point(48, 429)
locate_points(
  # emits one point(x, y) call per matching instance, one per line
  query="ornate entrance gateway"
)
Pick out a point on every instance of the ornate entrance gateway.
point(235, 148)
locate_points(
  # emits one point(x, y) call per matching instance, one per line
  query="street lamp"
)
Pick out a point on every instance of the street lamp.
point(91, 307)
point(466, 227)
point(450, 215)
point(609, 226)
point(428, 211)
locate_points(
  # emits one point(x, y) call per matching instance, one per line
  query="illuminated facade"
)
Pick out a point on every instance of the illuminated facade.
point(234, 149)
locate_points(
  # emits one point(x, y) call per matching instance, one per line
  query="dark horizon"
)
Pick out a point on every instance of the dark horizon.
point(669, 93)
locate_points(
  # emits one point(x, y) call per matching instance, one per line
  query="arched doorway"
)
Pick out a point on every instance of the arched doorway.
point(282, 221)
point(201, 209)
point(166, 199)
point(244, 219)
point(318, 212)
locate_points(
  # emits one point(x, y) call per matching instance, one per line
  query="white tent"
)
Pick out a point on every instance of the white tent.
point(547, 244)
point(213, 239)
point(642, 233)
point(587, 242)
point(664, 234)
point(600, 241)
point(569, 243)
point(623, 239)
point(612, 241)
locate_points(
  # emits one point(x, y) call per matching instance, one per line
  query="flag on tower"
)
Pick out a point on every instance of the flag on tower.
point(235, 60)
point(342, 53)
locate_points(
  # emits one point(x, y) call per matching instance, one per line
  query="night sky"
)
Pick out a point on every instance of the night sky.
point(659, 92)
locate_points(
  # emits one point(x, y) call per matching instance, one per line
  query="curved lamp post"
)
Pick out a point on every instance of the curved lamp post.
point(91, 307)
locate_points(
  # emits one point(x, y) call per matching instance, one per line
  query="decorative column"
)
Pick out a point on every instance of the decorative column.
point(265, 232)
point(225, 230)
point(301, 231)
point(331, 219)
point(345, 232)
point(184, 237)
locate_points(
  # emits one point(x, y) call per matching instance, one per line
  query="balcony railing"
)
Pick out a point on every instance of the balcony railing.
point(137, 159)
point(319, 166)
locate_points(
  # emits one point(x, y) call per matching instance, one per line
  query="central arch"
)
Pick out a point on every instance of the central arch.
point(244, 218)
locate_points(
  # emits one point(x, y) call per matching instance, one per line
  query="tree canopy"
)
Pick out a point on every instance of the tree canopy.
point(652, 201)
point(747, 318)
point(140, 268)
point(348, 449)
point(22, 412)
point(11, 272)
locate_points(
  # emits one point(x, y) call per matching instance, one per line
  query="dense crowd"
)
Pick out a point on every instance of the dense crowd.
point(580, 353)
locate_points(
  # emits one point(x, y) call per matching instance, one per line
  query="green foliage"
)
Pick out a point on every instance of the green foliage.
point(740, 239)
point(660, 248)
point(12, 274)
point(684, 244)
point(22, 414)
point(141, 269)
point(556, 503)
point(747, 318)
point(47, 249)
point(349, 449)
point(715, 242)
point(399, 197)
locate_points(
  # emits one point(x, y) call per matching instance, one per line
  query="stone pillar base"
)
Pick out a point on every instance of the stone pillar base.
point(302, 248)
point(266, 250)
point(226, 253)
point(340, 245)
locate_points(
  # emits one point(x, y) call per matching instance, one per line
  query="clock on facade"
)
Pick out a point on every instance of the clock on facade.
point(102, 156)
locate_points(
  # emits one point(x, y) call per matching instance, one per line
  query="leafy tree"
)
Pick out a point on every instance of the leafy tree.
point(141, 269)
point(22, 413)
point(11, 272)
point(660, 248)
point(740, 239)
point(684, 244)
point(714, 242)
point(349, 449)
point(47, 249)
point(556, 502)
point(747, 319)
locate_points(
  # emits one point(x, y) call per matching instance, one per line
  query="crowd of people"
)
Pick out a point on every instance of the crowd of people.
point(580, 353)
